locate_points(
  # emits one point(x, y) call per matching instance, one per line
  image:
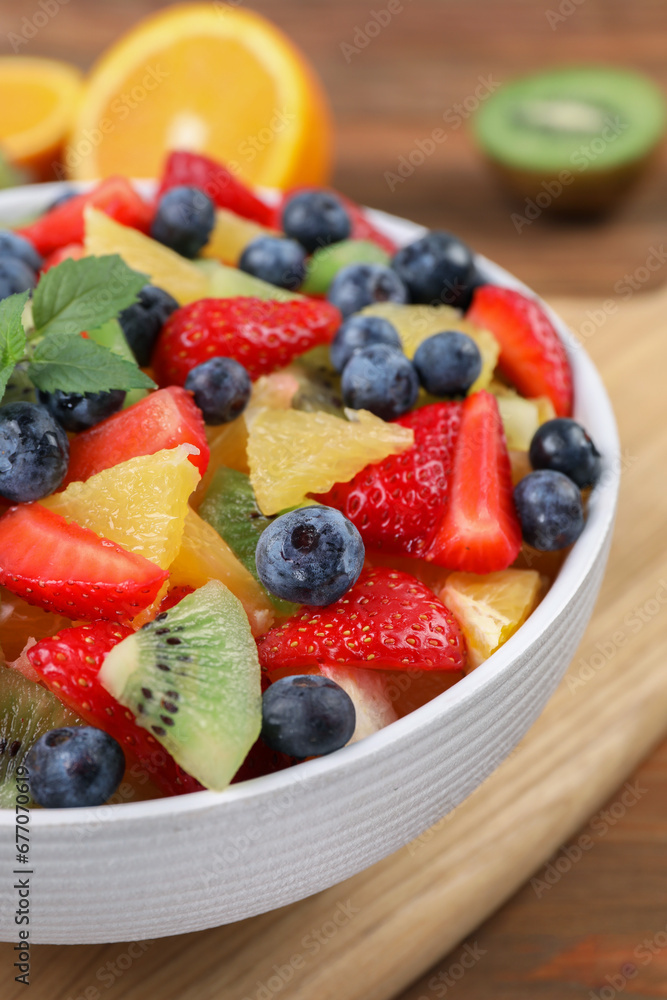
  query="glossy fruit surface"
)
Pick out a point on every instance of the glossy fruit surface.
point(306, 716)
point(74, 766)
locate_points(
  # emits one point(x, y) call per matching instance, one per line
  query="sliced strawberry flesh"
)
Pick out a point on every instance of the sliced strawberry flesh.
point(63, 567)
point(223, 188)
point(164, 419)
point(480, 530)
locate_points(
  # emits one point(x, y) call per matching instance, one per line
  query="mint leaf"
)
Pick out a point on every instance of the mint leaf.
point(12, 336)
point(74, 364)
point(83, 294)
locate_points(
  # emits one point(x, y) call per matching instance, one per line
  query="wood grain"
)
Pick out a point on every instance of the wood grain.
point(372, 936)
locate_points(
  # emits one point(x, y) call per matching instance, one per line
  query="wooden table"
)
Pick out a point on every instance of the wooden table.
point(563, 940)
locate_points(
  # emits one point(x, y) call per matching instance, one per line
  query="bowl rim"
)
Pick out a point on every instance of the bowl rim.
point(575, 568)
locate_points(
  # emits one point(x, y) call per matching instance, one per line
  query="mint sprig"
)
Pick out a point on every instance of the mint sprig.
point(75, 296)
point(83, 294)
point(12, 336)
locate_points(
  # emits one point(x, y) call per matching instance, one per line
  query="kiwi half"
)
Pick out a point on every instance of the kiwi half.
point(27, 711)
point(571, 140)
point(192, 679)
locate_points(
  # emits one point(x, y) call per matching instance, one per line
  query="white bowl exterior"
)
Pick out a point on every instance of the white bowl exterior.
point(168, 866)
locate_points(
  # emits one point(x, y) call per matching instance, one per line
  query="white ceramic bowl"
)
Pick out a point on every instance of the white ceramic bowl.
point(149, 869)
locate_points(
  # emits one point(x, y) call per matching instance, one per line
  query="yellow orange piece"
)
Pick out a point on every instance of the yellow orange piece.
point(205, 556)
point(415, 324)
point(140, 504)
point(231, 235)
point(38, 98)
point(212, 78)
point(165, 268)
point(491, 608)
point(292, 454)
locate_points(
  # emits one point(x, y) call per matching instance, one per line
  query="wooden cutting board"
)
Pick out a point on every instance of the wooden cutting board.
point(370, 937)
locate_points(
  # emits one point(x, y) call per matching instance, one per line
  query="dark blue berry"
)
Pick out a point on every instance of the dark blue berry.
point(73, 767)
point(142, 321)
point(564, 446)
point(221, 389)
point(77, 411)
point(316, 219)
point(278, 261)
point(34, 452)
point(15, 276)
point(358, 332)
point(436, 269)
point(307, 716)
point(184, 220)
point(448, 363)
point(476, 281)
point(359, 285)
point(380, 379)
point(63, 198)
point(311, 556)
point(550, 509)
point(13, 245)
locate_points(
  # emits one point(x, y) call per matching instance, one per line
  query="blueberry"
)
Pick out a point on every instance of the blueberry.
point(15, 276)
point(73, 767)
point(184, 220)
point(380, 379)
point(307, 716)
point(316, 219)
point(448, 363)
point(142, 321)
point(13, 245)
point(550, 510)
point(34, 452)
point(312, 555)
point(477, 281)
point(438, 268)
point(62, 199)
point(221, 389)
point(358, 332)
point(360, 285)
point(278, 261)
point(77, 411)
point(564, 446)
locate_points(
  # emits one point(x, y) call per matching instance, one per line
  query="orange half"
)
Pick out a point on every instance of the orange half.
point(38, 99)
point(210, 78)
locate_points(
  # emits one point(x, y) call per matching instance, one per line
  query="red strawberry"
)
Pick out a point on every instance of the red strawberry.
point(480, 531)
point(64, 224)
point(164, 419)
point(174, 597)
point(388, 620)
point(262, 336)
point(532, 355)
point(75, 251)
point(223, 188)
point(68, 663)
point(398, 503)
point(68, 569)
point(362, 227)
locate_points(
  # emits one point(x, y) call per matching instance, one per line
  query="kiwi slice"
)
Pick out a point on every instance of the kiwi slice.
point(571, 140)
point(230, 507)
point(326, 262)
point(319, 383)
point(27, 711)
point(192, 679)
point(111, 336)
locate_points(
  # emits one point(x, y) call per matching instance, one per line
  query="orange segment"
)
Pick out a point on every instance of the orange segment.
point(231, 235)
point(210, 78)
point(38, 99)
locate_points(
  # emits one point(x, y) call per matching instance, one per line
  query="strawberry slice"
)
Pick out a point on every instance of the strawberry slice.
point(223, 188)
point(64, 224)
point(388, 621)
point(362, 227)
point(480, 530)
point(164, 419)
point(75, 251)
point(260, 335)
point(69, 569)
point(532, 355)
point(398, 504)
point(69, 664)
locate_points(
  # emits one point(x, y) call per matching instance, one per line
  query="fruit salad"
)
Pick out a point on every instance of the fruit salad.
point(269, 482)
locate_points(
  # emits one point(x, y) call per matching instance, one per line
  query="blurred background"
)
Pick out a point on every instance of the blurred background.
point(391, 90)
